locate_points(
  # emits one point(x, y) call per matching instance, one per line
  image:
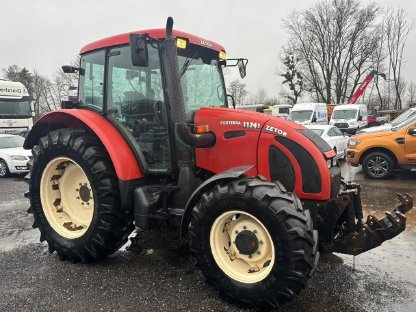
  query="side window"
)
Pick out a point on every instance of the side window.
point(135, 95)
point(337, 132)
point(91, 86)
point(332, 132)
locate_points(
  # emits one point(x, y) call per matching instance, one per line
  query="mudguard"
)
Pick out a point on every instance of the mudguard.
point(122, 156)
point(230, 174)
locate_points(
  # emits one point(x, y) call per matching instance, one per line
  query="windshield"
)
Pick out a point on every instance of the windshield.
point(15, 109)
point(344, 114)
point(300, 115)
point(11, 141)
point(284, 110)
point(201, 79)
point(403, 116)
point(318, 131)
point(405, 123)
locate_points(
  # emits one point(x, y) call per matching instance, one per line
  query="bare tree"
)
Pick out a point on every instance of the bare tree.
point(334, 40)
point(397, 28)
point(411, 92)
point(292, 76)
point(238, 91)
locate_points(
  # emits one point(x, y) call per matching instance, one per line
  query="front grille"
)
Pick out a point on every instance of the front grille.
point(341, 125)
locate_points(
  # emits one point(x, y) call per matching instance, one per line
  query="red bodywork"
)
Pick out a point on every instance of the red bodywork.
point(120, 153)
point(154, 33)
point(252, 148)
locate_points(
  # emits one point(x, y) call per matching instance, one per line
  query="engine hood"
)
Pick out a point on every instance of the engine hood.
point(375, 134)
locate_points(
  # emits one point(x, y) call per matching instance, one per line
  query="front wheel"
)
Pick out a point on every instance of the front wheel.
point(4, 170)
point(75, 197)
point(253, 242)
point(378, 165)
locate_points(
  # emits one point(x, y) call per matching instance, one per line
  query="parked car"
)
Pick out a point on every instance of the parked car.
point(13, 157)
point(23, 133)
point(333, 136)
point(381, 152)
point(410, 113)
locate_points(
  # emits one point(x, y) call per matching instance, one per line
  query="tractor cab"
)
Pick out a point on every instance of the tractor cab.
point(134, 95)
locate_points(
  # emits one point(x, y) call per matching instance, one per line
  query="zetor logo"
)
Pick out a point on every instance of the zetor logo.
point(275, 130)
point(206, 43)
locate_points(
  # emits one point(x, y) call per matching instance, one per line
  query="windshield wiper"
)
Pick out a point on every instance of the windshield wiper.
point(187, 63)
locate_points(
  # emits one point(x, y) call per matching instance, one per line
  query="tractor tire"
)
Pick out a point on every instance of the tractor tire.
point(378, 165)
point(4, 170)
point(253, 242)
point(75, 197)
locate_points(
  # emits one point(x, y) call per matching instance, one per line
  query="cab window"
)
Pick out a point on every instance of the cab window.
point(91, 84)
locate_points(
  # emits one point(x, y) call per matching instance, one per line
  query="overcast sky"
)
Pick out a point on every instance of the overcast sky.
point(45, 34)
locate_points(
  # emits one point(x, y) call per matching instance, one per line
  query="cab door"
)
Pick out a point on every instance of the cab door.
point(410, 144)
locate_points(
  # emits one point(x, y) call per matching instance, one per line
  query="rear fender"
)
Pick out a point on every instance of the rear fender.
point(124, 161)
point(228, 175)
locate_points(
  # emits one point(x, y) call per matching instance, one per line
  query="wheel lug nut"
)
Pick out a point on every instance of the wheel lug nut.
point(258, 252)
point(249, 256)
point(236, 232)
point(82, 203)
point(244, 227)
point(80, 184)
point(77, 197)
point(77, 190)
point(254, 231)
point(261, 242)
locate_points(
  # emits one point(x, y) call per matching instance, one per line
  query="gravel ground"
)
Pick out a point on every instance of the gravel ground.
point(164, 279)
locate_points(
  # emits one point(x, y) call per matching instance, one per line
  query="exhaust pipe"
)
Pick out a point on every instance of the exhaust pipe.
point(174, 88)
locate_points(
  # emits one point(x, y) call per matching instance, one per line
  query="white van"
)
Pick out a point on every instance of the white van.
point(349, 117)
point(281, 110)
point(309, 113)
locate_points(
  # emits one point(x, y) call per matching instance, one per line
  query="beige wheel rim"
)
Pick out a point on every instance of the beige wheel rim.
point(66, 197)
point(242, 247)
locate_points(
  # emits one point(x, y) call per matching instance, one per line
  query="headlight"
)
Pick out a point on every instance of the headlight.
point(329, 163)
point(353, 142)
point(353, 123)
point(18, 157)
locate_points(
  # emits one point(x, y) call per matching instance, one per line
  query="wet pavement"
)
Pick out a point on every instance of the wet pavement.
point(383, 279)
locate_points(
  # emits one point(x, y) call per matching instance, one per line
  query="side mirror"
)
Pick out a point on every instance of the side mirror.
point(229, 96)
point(412, 131)
point(242, 67)
point(67, 105)
point(67, 69)
point(32, 106)
point(314, 119)
point(138, 50)
point(360, 118)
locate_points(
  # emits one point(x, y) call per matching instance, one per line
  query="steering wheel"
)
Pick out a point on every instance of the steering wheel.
point(158, 112)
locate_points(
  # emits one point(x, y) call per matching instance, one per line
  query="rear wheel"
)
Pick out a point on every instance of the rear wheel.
point(378, 165)
point(4, 170)
point(75, 197)
point(253, 242)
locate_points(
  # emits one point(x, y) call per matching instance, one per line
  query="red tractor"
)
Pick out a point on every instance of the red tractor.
point(152, 143)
